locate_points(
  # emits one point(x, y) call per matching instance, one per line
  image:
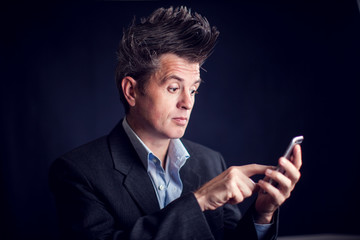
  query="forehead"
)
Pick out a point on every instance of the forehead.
point(171, 64)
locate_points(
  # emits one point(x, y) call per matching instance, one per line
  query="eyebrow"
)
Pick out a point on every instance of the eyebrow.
point(167, 78)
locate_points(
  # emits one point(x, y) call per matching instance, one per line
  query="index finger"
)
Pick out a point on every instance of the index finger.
point(254, 169)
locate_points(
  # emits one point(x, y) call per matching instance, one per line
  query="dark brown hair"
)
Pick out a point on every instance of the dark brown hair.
point(177, 31)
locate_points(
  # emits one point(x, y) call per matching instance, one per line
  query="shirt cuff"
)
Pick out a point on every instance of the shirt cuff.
point(262, 229)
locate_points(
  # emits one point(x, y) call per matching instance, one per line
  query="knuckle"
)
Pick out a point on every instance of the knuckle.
point(288, 195)
point(230, 169)
point(230, 176)
point(288, 183)
point(282, 199)
point(231, 185)
point(275, 175)
point(239, 198)
point(247, 193)
point(232, 172)
point(296, 178)
point(229, 195)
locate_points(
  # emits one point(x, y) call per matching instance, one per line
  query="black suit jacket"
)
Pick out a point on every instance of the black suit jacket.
point(103, 191)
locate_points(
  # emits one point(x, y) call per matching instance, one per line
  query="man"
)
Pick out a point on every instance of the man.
point(143, 182)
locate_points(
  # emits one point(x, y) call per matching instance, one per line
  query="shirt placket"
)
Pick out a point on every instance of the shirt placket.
point(161, 185)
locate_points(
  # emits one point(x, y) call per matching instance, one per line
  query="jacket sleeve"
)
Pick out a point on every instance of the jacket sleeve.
point(83, 213)
point(245, 227)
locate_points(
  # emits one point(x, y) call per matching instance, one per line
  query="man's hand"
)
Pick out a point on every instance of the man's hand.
point(271, 197)
point(232, 186)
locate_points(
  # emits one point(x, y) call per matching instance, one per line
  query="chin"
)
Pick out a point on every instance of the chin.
point(177, 134)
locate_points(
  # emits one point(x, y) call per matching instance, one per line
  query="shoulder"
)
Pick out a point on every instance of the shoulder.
point(89, 152)
point(99, 151)
point(83, 158)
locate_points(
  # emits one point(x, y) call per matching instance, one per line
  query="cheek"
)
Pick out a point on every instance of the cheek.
point(159, 108)
point(159, 113)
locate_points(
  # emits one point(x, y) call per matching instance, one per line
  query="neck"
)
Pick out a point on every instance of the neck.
point(159, 146)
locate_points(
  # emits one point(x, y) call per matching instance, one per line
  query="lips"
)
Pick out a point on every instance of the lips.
point(182, 121)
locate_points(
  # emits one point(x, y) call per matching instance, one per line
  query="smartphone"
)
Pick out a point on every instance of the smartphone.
point(288, 152)
point(294, 141)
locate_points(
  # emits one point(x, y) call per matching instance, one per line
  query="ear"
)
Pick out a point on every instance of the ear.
point(128, 85)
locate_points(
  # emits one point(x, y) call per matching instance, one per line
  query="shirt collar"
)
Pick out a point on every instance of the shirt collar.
point(177, 152)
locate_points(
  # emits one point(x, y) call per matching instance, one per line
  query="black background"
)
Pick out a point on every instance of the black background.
point(280, 69)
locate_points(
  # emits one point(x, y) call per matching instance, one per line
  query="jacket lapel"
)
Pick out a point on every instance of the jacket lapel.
point(127, 162)
point(189, 172)
point(189, 178)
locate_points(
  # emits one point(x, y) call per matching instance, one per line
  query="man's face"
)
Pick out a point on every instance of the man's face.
point(163, 111)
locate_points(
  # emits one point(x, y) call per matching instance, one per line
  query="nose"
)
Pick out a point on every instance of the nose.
point(186, 101)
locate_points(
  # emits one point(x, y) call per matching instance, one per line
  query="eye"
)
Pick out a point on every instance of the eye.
point(193, 92)
point(173, 89)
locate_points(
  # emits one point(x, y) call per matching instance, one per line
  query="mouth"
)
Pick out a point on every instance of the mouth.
point(181, 121)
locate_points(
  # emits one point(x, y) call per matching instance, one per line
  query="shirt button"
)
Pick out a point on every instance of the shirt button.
point(161, 187)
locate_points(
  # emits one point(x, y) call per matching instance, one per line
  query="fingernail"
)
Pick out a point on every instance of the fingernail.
point(268, 171)
point(252, 181)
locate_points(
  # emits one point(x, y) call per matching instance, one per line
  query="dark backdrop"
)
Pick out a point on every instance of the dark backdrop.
point(280, 69)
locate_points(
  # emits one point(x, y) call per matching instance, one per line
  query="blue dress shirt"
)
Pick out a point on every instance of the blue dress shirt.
point(167, 183)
